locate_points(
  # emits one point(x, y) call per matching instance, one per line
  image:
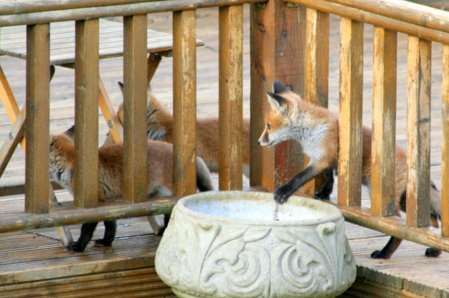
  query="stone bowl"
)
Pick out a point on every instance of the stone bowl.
point(228, 244)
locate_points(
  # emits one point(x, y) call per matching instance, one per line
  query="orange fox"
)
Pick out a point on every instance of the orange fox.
point(160, 164)
point(160, 126)
point(316, 129)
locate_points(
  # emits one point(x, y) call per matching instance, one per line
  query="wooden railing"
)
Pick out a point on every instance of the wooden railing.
point(283, 46)
point(423, 25)
point(37, 16)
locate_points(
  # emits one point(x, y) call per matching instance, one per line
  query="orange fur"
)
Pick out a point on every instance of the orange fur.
point(160, 126)
point(316, 129)
point(160, 165)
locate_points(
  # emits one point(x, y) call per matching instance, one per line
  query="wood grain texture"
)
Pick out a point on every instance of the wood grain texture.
point(277, 33)
point(8, 98)
point(97, 11)
point(395, 227)
point(9, 101)
point(418, 126)
point(445, 144)
point(406, 11)
point(69, 215)
point(383, 145)
point(184, 105)
point(316, 66)
point(107, 109)
point(367, 17)
point(230, 97)
point(351, 100)
point(153, 62)
point(316, 62)
point(135, 180)
point(86, 113)
point(37, 192)
point(9, 146)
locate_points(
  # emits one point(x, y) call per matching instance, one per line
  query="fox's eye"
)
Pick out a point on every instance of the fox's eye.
point(268, 126)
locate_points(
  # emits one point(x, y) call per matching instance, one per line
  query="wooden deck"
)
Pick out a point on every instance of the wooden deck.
point(34, 264)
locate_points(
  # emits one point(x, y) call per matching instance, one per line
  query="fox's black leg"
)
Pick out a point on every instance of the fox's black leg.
point(325, 190)
point(110, 228)
point(430, 251)
point(87, 231)
point(388, 250)
point(282, 193)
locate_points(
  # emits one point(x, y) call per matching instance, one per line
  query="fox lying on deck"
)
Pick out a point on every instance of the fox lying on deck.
point(160, 126)
point(316, 129)
point(160, 159)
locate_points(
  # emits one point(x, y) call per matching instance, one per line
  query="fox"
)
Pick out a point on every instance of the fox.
point(62, 164)
point(160, 126)
point(316, 129)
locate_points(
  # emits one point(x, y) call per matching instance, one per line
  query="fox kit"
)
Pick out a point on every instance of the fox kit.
point(110, 170)
point(316, 129)
point(160, 125)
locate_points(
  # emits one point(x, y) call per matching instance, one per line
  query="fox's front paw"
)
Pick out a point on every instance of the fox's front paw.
point(103, 242)
point(323, 195)
point(76, 246)
point(432, 252)
point(378, 254)
point(282, 194)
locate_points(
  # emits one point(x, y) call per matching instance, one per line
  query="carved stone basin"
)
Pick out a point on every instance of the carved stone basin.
point(227, 244)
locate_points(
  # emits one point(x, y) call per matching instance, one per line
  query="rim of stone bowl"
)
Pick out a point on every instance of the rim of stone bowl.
point(333, 213)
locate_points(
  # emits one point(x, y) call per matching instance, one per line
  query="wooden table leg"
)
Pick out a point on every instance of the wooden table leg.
point(115, 128)
point(14, 137)
point(17, 117)
point(153, 62)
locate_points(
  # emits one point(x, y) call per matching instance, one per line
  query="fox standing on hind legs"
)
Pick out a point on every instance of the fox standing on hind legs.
point(316, 129)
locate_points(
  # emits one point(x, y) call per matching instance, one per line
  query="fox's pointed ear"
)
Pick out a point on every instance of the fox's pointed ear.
point(277, 102)
point(279, 87)
point(70, 132)
point(120, 85)
point(52, 71)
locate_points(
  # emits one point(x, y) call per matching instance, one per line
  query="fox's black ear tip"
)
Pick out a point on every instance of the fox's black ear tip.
point(120, 84)
point(70, 131)
point(279, 87)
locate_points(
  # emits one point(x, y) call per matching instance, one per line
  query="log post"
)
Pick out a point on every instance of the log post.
point(277, 34)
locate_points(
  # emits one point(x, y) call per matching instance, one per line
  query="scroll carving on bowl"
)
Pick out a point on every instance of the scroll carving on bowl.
point(225, 244)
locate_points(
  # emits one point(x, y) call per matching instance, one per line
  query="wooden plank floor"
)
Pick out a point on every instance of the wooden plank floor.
point(407, 274)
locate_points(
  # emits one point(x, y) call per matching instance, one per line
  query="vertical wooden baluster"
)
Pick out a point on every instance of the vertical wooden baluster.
point(445, 145)
point(262, 53)
point(418, 148)
point(231, 97)
point(384, 123)
point(316, 64)
point(184, 97)
point(37, 190)
point(277, 36)
point(86, 113)
point(135, 178)
point(351, 100)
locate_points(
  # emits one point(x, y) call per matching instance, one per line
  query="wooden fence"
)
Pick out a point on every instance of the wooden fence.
point(283, 46)
point(423, 25)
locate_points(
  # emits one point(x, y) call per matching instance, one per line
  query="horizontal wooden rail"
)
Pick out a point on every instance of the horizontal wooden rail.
point(27, 221)
point(115, 10)
point(26, 6)
point(406, 11)
point(395, 227)
point(375, 19)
